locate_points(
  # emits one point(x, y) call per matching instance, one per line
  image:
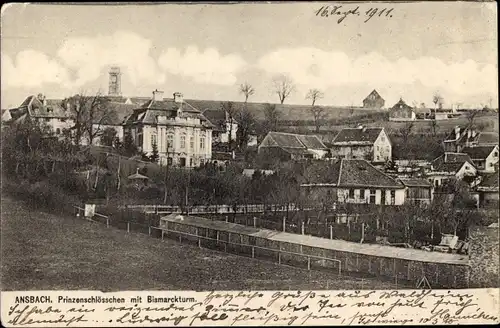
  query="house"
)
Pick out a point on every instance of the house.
point(443, 113)
point(484, 157)
point(119, 112)
point(225, 126)
point(460, 137)
point(290, 146)
point(488, 190)
point(401, 112)
point(371, 144)
point(450, 166)
point(183, 136)
point(373, 100)
point(351, 181)
point(418, 191)
point(50, 112)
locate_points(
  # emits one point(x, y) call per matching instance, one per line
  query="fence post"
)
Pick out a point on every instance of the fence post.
point(149, 230)
point(253, 251)
point(308, 263)
point(128, 226)
point(107, 222)
point(302, 227)
point(284, 224)
point(162, 234)
point(331, 232)
point(254, 222)
point(226, 219)
point(279, 257)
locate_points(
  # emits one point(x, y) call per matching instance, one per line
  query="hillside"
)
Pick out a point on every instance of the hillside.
point(44, 251)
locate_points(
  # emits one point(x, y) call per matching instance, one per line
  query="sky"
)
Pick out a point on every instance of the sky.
point(206, 51)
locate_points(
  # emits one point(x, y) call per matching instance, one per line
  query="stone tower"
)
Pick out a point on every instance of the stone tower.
point(115, 84)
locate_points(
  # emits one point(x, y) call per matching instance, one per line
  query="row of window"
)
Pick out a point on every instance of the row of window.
point(170, 141)
point(372, 193)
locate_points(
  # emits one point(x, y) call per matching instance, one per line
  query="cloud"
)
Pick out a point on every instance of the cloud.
point(317, 68)
point(89, 57)
point(208, 67)
point(32, 69)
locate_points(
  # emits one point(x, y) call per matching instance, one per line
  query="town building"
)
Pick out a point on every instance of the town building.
point(225, 126)
point(182, 135)
point(460, 137)
point(418, 191)
point(372, 144)
point(119, 112)
point(451, 166)
point(353, 181)
point(49, 112)
point(488, 190)
point(401, 112)
point(484, 157)
point(373, 100)
point(290, 146)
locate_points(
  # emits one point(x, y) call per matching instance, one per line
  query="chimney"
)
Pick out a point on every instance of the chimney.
point(157, 95)
point(457, 132)
point(178, 97)
point(469, 134)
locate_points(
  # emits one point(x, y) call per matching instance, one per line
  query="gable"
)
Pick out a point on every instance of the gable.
point(357, 135)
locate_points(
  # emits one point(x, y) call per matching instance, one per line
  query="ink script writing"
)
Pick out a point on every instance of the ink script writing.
point(341, 13)
point(244, 308)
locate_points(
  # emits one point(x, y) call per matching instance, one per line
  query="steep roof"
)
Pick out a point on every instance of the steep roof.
point(489, 180)
point(121, 112)
point(478, 152)
point(148, 113)
point(375, 93)
point(290, 141)
point(450, 162)
point(51, 109)
point(357, 136)
point(401, 105)
point(349, 173)
point(217, 117)
point(412, 182)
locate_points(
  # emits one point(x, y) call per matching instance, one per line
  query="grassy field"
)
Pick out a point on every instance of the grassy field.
point(45, 251)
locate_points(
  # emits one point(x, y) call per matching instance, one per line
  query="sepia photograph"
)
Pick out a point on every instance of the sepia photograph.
point(249, 147)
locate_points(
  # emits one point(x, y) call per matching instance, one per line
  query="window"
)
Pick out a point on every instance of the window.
point(362, 194)
point(191, 142)
point(202, 143)
point(372, 196)
point(153, 139)
point(170, 161)
point(393, 197)
point(47, 119)
point(62, 120)
point(202, 161)
point(495, 154)
point(190, 162)
point(58, 131)
point(351, 193)
point(182, 161)
point(170, 141)
point(382, 197)
point(183, 142)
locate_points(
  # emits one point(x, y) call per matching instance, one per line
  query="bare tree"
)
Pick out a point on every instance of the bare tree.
point(246, 125)
point(90, 113)
point(438, 100)
point(314, 95)
point(434, 126)
point(471, 116)
point(319, 116)
point(406, 130)
point(272, 116)
point(283, 86)
point(247, 90)
point(230, 110)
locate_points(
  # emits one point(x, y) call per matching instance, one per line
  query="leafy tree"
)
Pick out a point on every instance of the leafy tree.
point(154, 157)
point(230, 109)
point(108, 137)
point(246, 126)
point(128, 148)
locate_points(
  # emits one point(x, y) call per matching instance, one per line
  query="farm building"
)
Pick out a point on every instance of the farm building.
point(484, 157)
point(373, 100)
point(290, 146)
point(401, 112)
point(444, 270)
point(450, 166)
point(372, 144)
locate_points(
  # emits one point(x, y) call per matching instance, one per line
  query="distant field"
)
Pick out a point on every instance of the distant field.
point(488, 123)
point(45, 251)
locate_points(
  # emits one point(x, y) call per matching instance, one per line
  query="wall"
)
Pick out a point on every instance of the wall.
point(439, 275)
point(353, 152)
point(382, 148)
point(484, 257)
point(466, 168)
point(399, 196)
point(491, 160)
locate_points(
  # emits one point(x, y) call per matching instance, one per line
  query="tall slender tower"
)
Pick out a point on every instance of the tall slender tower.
point(115, 83)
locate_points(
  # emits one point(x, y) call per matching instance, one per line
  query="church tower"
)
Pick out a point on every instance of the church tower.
point(115, 87)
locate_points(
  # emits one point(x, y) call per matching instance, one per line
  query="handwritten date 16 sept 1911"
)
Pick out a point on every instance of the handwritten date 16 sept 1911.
point(342, 13)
